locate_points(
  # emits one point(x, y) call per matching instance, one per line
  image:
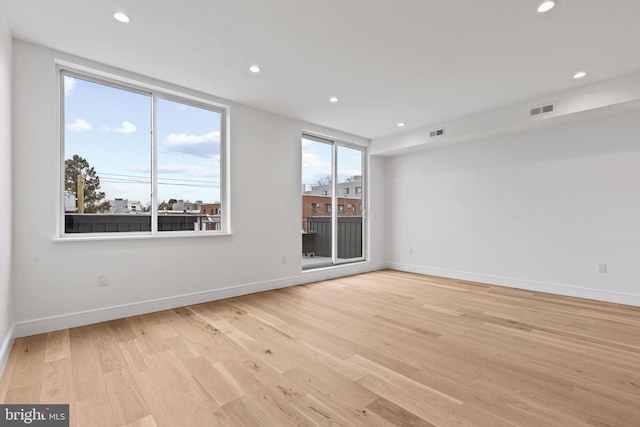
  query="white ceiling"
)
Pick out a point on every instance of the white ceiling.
point(415, 61)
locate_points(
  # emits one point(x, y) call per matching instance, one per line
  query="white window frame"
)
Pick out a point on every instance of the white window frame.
point(335, 143)
point(155, 91)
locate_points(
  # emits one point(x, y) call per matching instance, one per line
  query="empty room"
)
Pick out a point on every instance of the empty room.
point(354, 213)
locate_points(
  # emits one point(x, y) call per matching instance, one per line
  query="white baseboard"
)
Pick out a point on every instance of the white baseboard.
point(530, 285)
point(81, 318)
point(5, 349)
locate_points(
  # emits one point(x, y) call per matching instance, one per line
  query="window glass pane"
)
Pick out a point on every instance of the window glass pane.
point(316, 203)
point(188, 163)
point(107, 158)
point(349, 180)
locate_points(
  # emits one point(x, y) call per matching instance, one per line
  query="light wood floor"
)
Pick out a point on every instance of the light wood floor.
point(377, 349)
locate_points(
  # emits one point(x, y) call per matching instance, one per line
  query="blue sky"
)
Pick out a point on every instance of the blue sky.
point(111, 128)
point(316, 162)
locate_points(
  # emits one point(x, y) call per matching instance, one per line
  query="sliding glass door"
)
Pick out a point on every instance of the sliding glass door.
point(332, 202)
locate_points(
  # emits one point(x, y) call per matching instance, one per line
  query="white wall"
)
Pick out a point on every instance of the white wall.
point(53, 279)
point(534, 208)
point(6, 305)
point(376, 217)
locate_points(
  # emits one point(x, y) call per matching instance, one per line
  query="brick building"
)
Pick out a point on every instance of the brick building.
point(314, 206)
point(210, 209)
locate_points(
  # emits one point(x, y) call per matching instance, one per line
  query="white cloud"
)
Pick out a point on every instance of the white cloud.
point(184, 139)
point(190, 170)
point(126, 128)
point(79, 125)
point(312, 160)
point(69, 85)
point(206, 145)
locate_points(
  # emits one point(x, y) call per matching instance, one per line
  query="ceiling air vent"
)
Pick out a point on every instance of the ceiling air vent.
point(436, 133)
point(543, 109)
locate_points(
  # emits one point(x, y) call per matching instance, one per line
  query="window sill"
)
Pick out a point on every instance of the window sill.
point(333, 266)
point(137, 236)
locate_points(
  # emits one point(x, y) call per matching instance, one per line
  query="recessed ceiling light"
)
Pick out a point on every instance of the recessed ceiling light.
point(121, 17)
point(333, 99)
point(254, 69)
point(579, 75)
point(400, 124)
point(546, 6)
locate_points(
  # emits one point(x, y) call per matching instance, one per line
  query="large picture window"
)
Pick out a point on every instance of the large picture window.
point(140, 161)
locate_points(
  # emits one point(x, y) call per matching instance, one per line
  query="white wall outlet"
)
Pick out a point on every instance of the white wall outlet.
point(410, 250)
point(284, 259)
point(103, 279)
point(601, 267)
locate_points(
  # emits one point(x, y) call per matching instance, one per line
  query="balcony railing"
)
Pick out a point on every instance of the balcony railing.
point(316, 236)
point(124, 223)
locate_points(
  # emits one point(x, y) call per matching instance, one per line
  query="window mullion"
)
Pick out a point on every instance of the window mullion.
point(154, 166)
point(334, 203)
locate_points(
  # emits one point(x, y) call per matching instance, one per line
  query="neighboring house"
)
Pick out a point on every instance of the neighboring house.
point(134, 206)
point(187, 206)
point(351, 188)
point(210, 209)
point(124, 206)
point(321, 206)
point(315, 206)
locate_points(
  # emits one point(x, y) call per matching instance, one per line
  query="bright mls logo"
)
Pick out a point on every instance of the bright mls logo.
point(34, 415)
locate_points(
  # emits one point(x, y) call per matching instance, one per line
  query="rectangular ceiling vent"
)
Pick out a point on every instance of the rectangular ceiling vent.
point(543, 109)
point(436, 133)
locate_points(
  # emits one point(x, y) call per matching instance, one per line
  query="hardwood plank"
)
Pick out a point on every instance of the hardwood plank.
point(397, 415)
point(468, 415)
point(243, 412)
point(318, 413)
point(429, 404)
point(172, 368)
point(147, 421)
point(213, 381)
point(133, 356)
point(181, 348)
point(85, 366)
point(165, 406)
point(25, 394)
point(109, 354)
point(145, 341)
point(94, 411)
point(126, 401)
point(30, 363)
point(122, 330)
point(57, 382)
point(58, 346)
point(200, 406)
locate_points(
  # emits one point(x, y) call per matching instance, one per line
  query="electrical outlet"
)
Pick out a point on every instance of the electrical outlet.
point(103, 279)
point(601, 267)
point(410, 250)
point(284, 259)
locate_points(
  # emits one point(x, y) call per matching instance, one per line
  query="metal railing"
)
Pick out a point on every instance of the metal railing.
point(125, 223)
point(316, 236)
